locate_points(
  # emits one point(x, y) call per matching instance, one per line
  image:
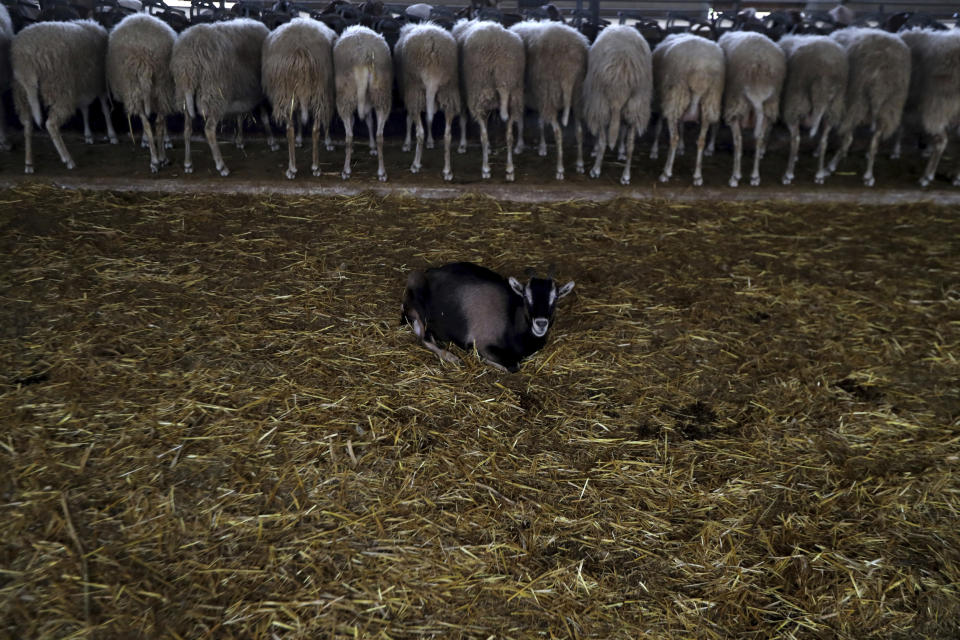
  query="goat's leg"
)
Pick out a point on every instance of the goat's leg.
point(629, 141)
point(672, 132)
point(822, 155)
point(558, 135)
point(598, 150)
point(939, 144)
point(381, 122)
point(210, 131)
point(187, 134)
point(447, 141)
point(418, 154)
point(407, 140)
point(444, 355)
point(868, 179)
point(151, 142)
point(737, 152)
point(111, 132)
point(291, 151)
point(484, 148)
point(701, 143)
point(87, 133)
point(348, 145)
point(655, 147)
point(794, 128)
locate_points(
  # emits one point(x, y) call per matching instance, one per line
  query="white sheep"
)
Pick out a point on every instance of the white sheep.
point(934, 100)
point(689, 75)
point(60, 65)
point(813, 93)
point(428, 73)
point(138, 75)
point(297, 76)
point(6, 37)
point(216, 72)
point(617, 91)
point(492, 64)
point(877, 87)
point(756, 69)
point(556, 64)
point(364, 84)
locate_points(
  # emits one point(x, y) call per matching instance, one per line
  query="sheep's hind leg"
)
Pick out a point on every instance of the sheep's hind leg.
point(578, 133)
point(407, 140)
point(841, 152)
point(511, 174)
point(111, 132)
point(485, 147)
point(151, 142)
point(373, 142)
point(822, 156)
point(520, 146)
point(598, 150)
point(788, 175)
point(760, 148)
point(737, 152)
point(462, 147)
point(381, 122)
point(701, 143)
point(87, 132)
point(655, 147)
point(418, 154)
point(268, 127)
point(187, 134)
point(629, 141)
point(431, 143)
point(868, 179)
point(939, 144)
point(348, 145)
point(315, 141)
point(54, 120)
point(210, 131)
point(558, 135)
point(239, 137)
point(292, 150)
point(27, 144)
point(542, 149)
point(672, 132)
point(162, 139)
point(447, 142)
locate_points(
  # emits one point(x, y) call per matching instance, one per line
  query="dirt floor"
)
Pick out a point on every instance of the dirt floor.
point(745, 422)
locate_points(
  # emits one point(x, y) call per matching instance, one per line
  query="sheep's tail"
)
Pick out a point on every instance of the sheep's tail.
point(189, 104)
point(613, 129)
point(567, 92)
point(504, 104)
point(756, 101)
point(363, 77)
point(432, 86)
point(817, 119)
point(31, 87)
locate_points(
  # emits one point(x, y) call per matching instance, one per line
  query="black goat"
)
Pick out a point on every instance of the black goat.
point(474, 307)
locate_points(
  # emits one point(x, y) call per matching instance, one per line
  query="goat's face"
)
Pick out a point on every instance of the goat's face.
point(540, 297)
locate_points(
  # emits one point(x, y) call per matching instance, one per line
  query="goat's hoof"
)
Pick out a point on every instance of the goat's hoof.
point(594, 173)
point(448, 176)
point(188, 168)
point(559, 175)
point(664, 177)
point(291, 174)
point(698, 181)
point(28, 169)
point(754, 181)
point(869, 181)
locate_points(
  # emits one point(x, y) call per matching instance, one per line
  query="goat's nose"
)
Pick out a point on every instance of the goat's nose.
point(540, 326)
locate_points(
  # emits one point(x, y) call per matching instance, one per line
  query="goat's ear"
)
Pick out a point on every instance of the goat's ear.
point(565, 289)
point(516, 286)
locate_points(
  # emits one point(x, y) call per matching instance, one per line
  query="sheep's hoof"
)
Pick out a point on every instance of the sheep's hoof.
point(734, 182)
point(925, 181)
point(291, 174)
point(542, 152)
point(698, 181)
point(188, 168)
point(708, 151)
point(511, 176)
point(664, 177)
point(345, 175)
point(70, 164)
point(415, 168)
point(144, 143)
point(820, 178)
point(594, 173)
point(654, 154)
point(485, 173)
point(382, 177)
point(274, 146)
point(298, 142)
point(580, 167)
point(896, 155)
point(114, 140)
point(787, 178)
point(519, 148)
point(448, 175)
point(329, 147)
point(624, 179)
point(681, 151)
point(154, 167)
point(316, 170)
point(167, 144)
point(956, 181)
point(373, 152)
point(868, 181)
point(28, 169)
point(431, 144)
point(224, 171)
point(621, 157)
point(462, 148)
point(405, 147)
point(754, 181)
point(240, 145)
point(559, 175)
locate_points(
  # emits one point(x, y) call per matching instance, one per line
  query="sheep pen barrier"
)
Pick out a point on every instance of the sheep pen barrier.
point(745, 422)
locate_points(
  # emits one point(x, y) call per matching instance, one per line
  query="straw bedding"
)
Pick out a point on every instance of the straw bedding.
point(745, 422)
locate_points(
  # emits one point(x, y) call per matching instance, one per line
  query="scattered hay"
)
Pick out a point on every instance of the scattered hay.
point(745, 423)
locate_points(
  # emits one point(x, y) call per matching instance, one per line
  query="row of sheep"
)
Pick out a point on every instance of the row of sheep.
point(853, 77)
